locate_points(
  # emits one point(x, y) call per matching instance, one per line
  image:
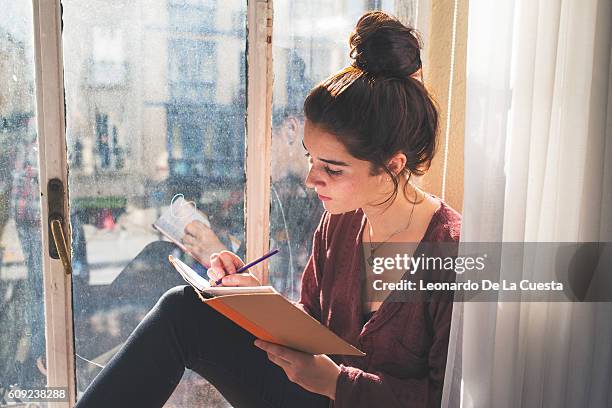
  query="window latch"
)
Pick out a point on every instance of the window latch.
point(58, 245)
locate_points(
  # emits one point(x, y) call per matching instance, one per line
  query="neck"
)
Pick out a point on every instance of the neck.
point(384, 220)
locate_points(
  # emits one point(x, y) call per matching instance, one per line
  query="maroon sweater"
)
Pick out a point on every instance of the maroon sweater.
point(406, 342)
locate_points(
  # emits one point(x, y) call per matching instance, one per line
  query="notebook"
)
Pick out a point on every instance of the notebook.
point(268, 315)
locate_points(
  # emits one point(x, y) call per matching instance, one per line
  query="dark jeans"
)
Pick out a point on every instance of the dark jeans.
point(180, 331)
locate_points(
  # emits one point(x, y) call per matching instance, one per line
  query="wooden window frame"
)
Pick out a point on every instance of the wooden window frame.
point(258, 132)
point(51, 129)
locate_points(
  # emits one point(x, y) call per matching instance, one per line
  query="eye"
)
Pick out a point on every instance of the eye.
point(332, 172)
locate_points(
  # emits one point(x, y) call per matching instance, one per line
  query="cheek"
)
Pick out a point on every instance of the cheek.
point(349, 192)
point(342, 186)
point(347, 195)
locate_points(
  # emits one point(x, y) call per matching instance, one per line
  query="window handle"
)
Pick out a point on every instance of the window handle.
point(60, 244)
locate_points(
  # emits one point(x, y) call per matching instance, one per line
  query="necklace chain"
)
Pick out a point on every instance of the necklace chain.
point(374, 248)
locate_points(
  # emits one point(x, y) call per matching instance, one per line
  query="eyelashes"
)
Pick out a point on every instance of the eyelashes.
point(332, 172)
point(327, 169)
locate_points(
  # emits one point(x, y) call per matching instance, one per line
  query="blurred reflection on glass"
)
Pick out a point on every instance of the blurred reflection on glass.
point(294, 208)
point(22, 334)
point(155, 106)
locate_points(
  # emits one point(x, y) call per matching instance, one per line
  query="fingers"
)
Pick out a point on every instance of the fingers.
point(226, 263)
point(202, 243)
point(189, 240)
point(216, 271)
point(235, 259)
point(193, 228)
point(200, 231)
point(284, 353)
point(221, 265)
point(240, 279)
point(279, 361)
point(279, 355)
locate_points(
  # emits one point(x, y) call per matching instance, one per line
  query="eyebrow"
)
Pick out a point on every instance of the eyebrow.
point(334, 162)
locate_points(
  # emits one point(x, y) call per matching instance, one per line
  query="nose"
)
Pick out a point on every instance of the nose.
point(313, 179)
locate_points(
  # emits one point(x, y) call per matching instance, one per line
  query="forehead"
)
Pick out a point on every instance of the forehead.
point(323, 143)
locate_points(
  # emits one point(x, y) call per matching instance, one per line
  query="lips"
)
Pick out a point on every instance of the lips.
point(324, 198)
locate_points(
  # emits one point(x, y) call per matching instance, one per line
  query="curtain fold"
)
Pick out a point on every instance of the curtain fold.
point(538, 168)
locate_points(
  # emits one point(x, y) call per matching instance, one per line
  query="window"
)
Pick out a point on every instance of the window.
point(22, 319)
point(192, 70)
point(192, 15)
point(155, 99)
point(108, 66)
point(109, 153)
point(164, 126)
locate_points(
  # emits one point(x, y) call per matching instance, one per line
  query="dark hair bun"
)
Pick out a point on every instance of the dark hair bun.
point(382, 46)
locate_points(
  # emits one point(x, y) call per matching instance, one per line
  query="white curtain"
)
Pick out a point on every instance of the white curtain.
point(538, 168)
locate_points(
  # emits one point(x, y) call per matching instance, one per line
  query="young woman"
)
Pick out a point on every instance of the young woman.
point(369, 129)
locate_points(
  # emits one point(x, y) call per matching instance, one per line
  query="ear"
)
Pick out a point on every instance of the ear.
point(397, 163)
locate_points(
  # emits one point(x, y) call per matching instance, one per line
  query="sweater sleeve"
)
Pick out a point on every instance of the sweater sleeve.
point(311, 278)
point(357, 388)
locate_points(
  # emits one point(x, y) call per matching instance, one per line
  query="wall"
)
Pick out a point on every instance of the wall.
point(437, 76)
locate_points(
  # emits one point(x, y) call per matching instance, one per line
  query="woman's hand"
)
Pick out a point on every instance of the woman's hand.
point(224, 265)
point(315, 373)
point(201, 241)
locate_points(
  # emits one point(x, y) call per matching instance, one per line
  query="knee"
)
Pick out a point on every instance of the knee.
point(173, 300)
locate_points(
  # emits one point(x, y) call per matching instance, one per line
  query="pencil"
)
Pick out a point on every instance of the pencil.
point(250, 264)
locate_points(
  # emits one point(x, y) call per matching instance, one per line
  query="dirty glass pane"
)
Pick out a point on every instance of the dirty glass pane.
point(22, 334)
point(155, 106)
point(310, 42)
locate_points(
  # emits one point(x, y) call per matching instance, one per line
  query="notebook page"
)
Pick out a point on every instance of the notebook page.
point(201, 284)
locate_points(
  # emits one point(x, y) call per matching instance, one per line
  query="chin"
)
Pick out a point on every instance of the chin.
point(337, 208)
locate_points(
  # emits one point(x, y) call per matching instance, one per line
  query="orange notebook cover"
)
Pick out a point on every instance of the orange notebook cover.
point(268, 315)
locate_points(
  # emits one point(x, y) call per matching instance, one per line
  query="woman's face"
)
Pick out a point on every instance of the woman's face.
point(342, 182)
